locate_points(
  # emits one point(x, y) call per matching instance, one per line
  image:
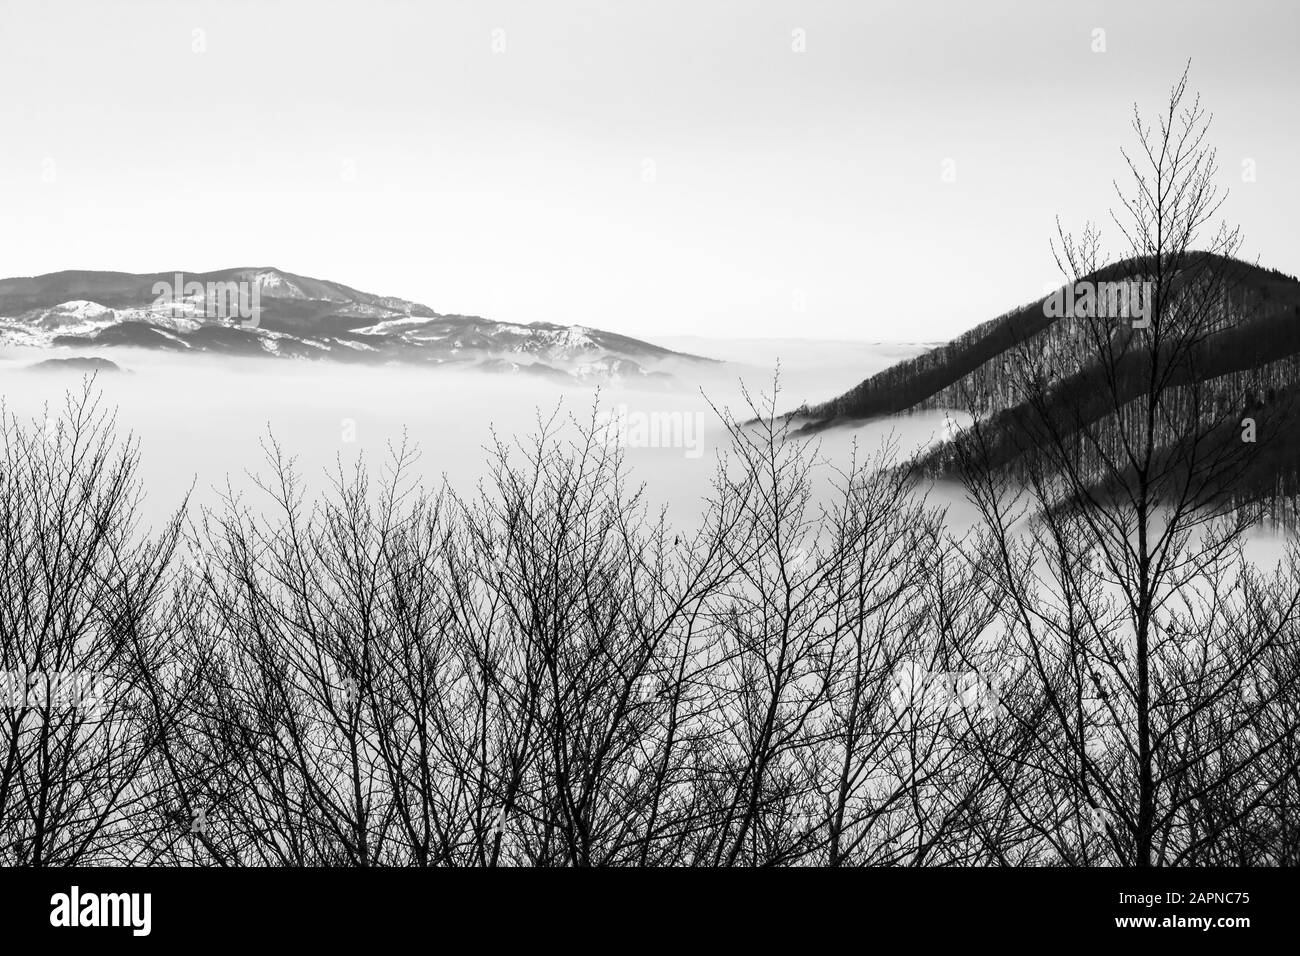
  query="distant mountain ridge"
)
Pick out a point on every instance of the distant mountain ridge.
point(301, 317)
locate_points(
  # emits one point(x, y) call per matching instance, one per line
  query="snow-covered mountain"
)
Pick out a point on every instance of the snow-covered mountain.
point(265, 311)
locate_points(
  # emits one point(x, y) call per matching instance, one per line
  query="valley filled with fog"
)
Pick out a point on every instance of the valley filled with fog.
point(202, 421)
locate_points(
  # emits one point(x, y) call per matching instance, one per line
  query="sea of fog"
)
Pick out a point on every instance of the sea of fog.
point(201, 421)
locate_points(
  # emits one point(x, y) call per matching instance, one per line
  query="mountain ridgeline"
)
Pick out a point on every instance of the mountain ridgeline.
point(270, 313)
point(1030, 376)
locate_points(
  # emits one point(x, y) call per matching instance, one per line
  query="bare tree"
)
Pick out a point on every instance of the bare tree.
point(1126, 600)
point(84, 639)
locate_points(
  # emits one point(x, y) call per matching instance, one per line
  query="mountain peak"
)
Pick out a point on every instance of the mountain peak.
point(295, 316)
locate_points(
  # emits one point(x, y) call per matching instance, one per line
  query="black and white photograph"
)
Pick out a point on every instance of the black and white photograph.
point(851, 440)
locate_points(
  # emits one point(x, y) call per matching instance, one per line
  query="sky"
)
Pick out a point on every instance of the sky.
point(728, 168)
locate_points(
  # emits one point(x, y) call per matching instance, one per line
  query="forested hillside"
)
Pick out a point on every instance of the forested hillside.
point(1261, 325)
point(1029, 378)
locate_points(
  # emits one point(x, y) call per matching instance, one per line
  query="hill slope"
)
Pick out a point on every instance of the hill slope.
point(974, 366)
point(1029, 377)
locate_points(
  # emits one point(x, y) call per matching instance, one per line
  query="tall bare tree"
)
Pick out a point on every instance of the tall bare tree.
point(1126, 600)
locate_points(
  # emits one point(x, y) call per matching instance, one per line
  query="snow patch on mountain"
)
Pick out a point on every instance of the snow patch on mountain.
point(315, 319)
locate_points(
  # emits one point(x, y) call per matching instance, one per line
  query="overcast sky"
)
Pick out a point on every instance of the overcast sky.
point(652, 167)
